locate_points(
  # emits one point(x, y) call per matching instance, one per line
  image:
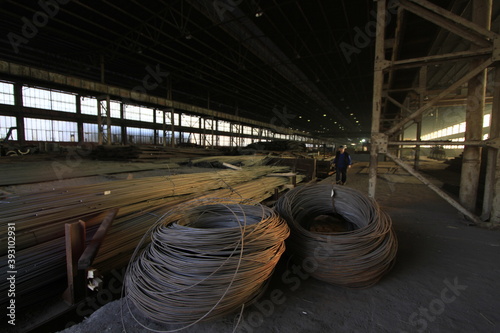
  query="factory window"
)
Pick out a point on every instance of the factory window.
point(486, 120)
point(49, 99)
point(190, 121)
point(209, 124)
point(140, 135)
point(115, 109)
point(245, 141)
point(88, 105)
point(139, 113)
point(50, 130)
point(454, 129)
point(176, 119)
point(6, 93)
point(164, 135)
point(7, 122)
point(159, 117)
point(236, 128)
point(223, 126)
point(247, 130)
point(193, 138)
point(90, 132)
point(224, 141)
point(207, 140)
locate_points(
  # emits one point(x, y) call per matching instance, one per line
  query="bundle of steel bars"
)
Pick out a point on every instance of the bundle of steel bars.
point(39, 218)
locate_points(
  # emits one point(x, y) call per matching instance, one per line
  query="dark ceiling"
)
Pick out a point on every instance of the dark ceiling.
point(303, 64)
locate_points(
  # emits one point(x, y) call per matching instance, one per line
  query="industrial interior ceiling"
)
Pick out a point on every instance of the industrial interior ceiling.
point(308, 61)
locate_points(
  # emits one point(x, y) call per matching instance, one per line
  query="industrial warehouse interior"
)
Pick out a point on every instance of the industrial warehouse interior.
point(250, 166)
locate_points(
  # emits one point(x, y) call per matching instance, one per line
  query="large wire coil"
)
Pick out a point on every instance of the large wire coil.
point(356, 257)
point(206, 259)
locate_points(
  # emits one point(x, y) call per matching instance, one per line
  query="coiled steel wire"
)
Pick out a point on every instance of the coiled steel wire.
point(206, 259)
point(357, 257)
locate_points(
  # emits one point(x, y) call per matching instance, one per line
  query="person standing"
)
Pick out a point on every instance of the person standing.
point(342, 162)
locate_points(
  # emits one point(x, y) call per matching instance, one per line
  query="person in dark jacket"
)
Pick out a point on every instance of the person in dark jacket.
point(342, 162)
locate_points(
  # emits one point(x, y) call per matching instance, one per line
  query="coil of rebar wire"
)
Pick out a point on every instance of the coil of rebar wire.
point(206, 259)
point(338, 235)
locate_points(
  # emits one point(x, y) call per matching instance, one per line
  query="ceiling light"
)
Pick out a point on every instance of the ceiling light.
point(324, 114)
point(259, 12)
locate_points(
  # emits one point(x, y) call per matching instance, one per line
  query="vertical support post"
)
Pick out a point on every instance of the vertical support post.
point(108, 120)
point(172, 128)
point(422, 90)
point(75, 245)
point(80, 135)
point(99, 123)
point(155, 133)
point(416, 164)
point(18, 102)
point(471, 162)
point(214, 123)
point(491, 203)
point(378, 82)
point(123, 128)
point(164, 128)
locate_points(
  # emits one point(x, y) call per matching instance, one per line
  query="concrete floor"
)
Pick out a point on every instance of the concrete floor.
point(445, 280)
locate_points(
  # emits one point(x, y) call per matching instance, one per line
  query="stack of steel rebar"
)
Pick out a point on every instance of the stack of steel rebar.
point(39, 218)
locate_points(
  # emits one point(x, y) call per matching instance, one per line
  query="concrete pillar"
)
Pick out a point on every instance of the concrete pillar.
point(481, 14)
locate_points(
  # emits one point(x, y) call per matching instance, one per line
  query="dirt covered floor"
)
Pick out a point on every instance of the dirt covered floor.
point(446, 279)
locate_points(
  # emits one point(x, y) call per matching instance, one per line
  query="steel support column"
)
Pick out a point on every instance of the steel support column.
point(491, 202)
point(476, 92)
point(422, 91)
point(18, 102)
point(378, 82)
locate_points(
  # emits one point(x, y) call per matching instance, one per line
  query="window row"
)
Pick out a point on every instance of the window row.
point(67, 131)
point(454, 129)
point(50, 99)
